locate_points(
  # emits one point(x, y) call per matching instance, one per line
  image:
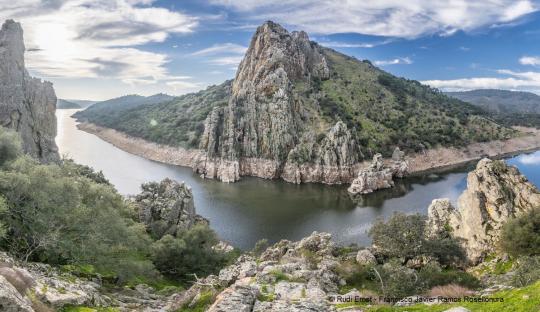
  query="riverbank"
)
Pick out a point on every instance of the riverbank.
point(433, 160)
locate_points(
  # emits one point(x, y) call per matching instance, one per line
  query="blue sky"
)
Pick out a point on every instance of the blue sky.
point(99, 49)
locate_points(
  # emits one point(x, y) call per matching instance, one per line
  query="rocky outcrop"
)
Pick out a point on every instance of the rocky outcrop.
point(167, 207)
point(264, 131)
point(288, 276)
point(38, 287)
point(27, 104)
point(495, 194)
point(379, 175)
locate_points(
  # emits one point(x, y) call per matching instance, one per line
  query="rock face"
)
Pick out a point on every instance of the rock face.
point(288, 276)
point(379, 175)
point(167, 207)
point(27, 104)
point(495, 193)
point(264, 131)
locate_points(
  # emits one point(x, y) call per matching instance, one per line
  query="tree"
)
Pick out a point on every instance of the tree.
point(10, 145)
point(189, 253)
point(521, 236)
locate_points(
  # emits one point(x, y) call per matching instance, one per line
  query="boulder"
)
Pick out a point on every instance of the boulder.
point(11, 300)
point(167, 207)
point(365, 257)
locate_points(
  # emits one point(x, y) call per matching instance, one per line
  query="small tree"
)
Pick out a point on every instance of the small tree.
point(10, 145)
point(521, 236)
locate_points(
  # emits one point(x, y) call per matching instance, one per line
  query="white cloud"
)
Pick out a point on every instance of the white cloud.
point(337, 44)
point(396, 18)
point(400, 60)
point(527, 81)
point(96, 39)
point(227, 48)
point(530, 60)
point(530, 159)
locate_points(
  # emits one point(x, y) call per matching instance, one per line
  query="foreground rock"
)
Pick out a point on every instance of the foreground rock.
point(495, 194)
point(167, 207)
point(27, 104)
point(289, 276)
point(379, 175)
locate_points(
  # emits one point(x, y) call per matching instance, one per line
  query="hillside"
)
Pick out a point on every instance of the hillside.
point(103, 110)
point(65, 104)
point(511, 108)
point(295, 103)
point(82, 103)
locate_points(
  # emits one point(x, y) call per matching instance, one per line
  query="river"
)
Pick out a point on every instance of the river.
point(244, 212)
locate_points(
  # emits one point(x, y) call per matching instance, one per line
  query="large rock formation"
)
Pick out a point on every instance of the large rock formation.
point(379, 175)
point(27, 104)
point(263, 131)
point(167, 207)
point(495, 193)
point(288, 276)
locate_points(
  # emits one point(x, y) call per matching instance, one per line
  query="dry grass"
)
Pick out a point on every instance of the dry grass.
point(450, 291)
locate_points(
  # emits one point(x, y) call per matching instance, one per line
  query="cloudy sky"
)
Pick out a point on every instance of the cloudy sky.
point(99, 49)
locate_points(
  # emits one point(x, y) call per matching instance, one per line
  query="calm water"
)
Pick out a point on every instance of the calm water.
point(252, 209)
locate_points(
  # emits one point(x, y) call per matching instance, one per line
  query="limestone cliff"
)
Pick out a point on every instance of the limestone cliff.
point(27, 104)
point(495, 193)
point(264, 131)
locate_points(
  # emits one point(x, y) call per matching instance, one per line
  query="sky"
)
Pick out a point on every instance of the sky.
point(100, 49)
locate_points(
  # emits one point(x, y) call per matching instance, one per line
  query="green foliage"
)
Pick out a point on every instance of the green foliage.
point(189, 253)
point(521, 236)
point(177, 122)
point(527, 271)
point(10, 145)
point(403, 236)
point(205, 300)
point(59, 217)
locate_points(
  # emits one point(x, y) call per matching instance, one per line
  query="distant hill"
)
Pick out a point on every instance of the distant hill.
point(507, 107)
point(82, 103)
point(64, 104)
point(107, 108)
point(501, 101)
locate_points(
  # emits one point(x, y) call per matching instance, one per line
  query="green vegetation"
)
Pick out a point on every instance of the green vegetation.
point(403, 236)
point(69, 216)
point(190, 252)
point(521, 236)
point(205, 300)
point(63, 104)
point(176, 122)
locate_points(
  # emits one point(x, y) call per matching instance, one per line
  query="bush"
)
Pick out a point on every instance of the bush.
point(189, 253)
point(397, 281)
point(403, 236)
point(10, 145)
point(521, 236)
point(527, 272)
point(56, 216)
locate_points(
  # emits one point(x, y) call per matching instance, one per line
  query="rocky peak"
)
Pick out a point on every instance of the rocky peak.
point(27, 104)
point(495, 194)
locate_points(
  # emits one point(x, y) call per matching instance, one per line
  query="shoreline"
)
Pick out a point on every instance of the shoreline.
point(436, 160)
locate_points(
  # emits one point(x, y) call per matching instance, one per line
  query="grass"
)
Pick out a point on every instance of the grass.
point(205, 300)
point(87, 309)
point(525, 299)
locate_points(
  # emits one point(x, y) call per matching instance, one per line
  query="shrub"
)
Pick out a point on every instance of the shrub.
point(521, 236)
point(397, 281)
point(10, 145)
point(527, 272)
point(450, 291)
point(403, 236)
point(189, 253)
point(56, 216)
point(260, 247)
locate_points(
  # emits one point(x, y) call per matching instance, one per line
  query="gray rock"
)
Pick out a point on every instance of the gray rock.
point(495, 194)
point(11, 300)
point(167, 207)
point(457, 309)
point(365, 257)
point(235, 298)
point(27, 104)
